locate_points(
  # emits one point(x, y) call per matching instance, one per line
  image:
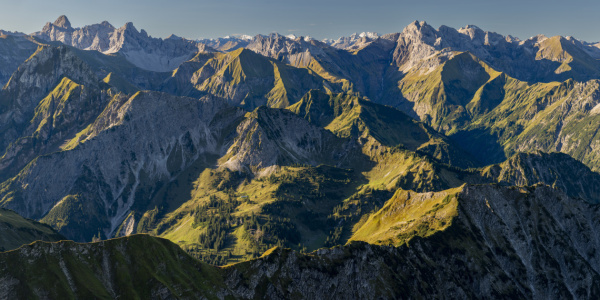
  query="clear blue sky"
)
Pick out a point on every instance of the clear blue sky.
point(317, 18)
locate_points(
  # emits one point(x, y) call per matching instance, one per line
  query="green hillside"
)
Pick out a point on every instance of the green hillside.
point(347, 115)
point(16, 231)
point(482, 230)
point(251, 80)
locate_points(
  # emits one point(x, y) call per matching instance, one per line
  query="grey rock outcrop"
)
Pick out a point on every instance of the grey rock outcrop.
point(419, 43)
point(34, 79)
point(138, 47)
point(135, 144)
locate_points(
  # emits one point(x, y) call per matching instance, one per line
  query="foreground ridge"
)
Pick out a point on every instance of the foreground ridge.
point(484, 241)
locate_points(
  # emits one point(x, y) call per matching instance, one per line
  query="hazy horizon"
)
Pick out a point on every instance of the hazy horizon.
point(318, 19)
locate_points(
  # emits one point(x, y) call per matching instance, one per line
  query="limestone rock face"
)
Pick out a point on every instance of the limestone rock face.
point(296, 52)
point(277, 137)
point(138, 47)
point(354, 41)
point(528, 60)
point(35, 79)
point(109, 168)
point(228, 43)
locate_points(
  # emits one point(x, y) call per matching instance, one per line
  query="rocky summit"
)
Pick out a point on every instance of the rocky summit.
point(427, 163)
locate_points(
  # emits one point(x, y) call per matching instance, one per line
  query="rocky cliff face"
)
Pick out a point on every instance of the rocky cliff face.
point(556, 169)
point(269, 137)
point(57, 118)
point(434, 81)
point(516, 236)
point(228, 43)
point(349, 116)
point(138, 47)
point(536, 59)
point(35, 79)
point(354, 41)
point(296, 52)
point(109, 168)
point(548, 117)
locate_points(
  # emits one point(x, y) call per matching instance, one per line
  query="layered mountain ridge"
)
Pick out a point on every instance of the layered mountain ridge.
point(137, 46)
point(407, 156)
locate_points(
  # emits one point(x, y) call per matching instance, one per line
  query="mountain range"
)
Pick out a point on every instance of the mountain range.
point(371, 166)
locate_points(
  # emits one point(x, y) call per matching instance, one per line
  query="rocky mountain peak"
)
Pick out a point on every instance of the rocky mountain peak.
point(63, 22)
point(510, 39)
point(275, 36)
point(12, 33)
point(138, 47)
point(420, 31)
point(129, 27)
point(296, 52)
point(538, 38)
point(479, 36)
point(472, 27)
point(418, 26)
point(354, 41)
point(107, 24)
point(371, 35)
point(472, 31)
